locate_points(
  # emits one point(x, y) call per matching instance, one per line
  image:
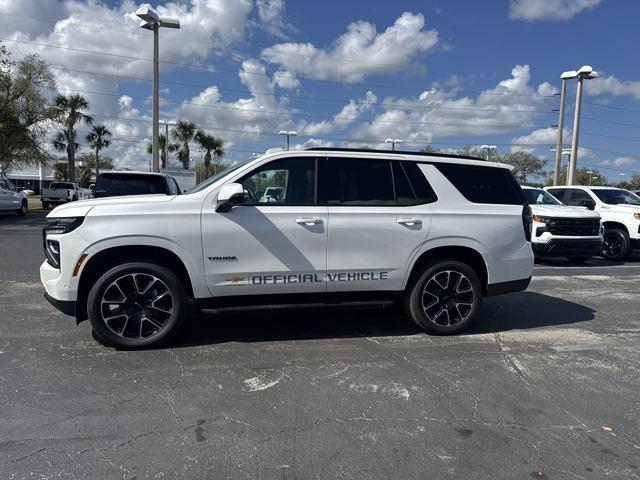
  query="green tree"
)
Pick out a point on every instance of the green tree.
point(184, 132)
point(98, 140)
point(172, 147)
point(525, 165)
point(89, 160)
point(200, 173)
point(212, 146)
point(62, 140)
point(70, 111)
point(24, 110)
point(82, 174)
point(582, 177)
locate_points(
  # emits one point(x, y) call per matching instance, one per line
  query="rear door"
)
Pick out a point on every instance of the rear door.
point(379, 215)
point(269, 245)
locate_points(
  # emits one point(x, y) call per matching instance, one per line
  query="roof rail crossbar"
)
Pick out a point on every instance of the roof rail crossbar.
point(394, 152)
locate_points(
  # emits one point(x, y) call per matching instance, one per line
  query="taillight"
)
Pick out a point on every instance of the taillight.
point(526, 221)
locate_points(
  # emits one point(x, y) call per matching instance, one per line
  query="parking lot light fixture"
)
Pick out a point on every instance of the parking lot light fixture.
point(563, 92)
point(152, 21)
point(584, 73)
point(489, 149)
point(289, 134)
point(393, 142)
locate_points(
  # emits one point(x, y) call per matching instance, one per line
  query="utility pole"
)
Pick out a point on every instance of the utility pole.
point(563, 92)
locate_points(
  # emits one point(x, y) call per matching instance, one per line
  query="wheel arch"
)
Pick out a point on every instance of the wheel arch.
point(609, 224)
point(464, 254)
point(105, 259)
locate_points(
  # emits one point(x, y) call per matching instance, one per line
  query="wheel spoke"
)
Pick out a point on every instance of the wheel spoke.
point(448, 298)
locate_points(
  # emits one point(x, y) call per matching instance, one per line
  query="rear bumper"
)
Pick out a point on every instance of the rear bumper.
point(568, 247)
point(507, 287)
point(65, 306)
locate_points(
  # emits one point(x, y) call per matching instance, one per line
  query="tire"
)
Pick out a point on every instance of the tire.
point(580, 259)
point(45, 206)
point(445, 316)
point(137, 305)
point(616, 245)
point(24, 208)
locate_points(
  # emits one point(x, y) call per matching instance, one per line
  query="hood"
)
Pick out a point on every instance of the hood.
point(563, 211)
point(81, 208)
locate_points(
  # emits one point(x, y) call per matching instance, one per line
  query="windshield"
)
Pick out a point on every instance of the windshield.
point(537, 196)
point(211, 180)
point(124, 184)
point(617, 196)
point(61, 185)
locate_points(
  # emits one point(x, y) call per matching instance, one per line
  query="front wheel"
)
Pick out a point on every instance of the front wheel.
point(137, 305)
point(24, 209)
point(616, 245)
point(445, 298)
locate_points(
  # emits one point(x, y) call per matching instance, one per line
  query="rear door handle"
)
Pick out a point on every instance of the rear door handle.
point(409, 221)
point(308, 221)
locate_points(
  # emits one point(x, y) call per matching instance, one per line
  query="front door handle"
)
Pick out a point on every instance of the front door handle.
point(308, 221)
point(409, 221)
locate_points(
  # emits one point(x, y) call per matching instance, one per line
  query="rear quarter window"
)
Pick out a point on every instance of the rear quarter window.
point(483, 184)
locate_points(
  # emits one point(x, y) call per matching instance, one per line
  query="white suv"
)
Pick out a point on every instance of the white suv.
point(12, 199)
point(620, 212)
point(436, 232)
point(562, 231)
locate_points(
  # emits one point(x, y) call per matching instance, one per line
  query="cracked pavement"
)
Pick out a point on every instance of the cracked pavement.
point(546, 386)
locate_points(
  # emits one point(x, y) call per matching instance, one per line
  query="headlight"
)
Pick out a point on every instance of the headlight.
point(58, 226)
point(538, 219)
point(636, 215)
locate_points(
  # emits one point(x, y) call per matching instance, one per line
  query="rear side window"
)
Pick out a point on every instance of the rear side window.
point(68, 186)
point(421, 188)
point(483, 184)
point(354, 181)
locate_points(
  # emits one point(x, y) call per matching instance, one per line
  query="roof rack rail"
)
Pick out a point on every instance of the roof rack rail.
point(395, 152)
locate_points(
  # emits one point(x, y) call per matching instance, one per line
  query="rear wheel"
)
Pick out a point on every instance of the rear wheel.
point(616, 245)
point(24, 208)
point(45, 206)
point(136, 305)
point(445, 298)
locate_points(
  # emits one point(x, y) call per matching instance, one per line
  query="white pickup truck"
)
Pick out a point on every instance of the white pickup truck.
point(63, 192)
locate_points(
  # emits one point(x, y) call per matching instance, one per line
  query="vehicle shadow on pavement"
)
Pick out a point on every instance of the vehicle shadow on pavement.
point(525, 310)
point(32, 218)
point(592, 262)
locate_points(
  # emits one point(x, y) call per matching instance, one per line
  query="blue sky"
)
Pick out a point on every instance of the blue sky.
point(351, 73)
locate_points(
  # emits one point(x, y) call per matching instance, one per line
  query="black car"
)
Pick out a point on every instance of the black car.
point(116, 184)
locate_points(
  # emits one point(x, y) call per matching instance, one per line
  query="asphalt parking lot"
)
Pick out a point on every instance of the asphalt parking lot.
point(547, 385)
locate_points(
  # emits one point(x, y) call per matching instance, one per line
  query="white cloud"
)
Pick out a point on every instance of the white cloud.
point(544, 137)
point(621, 161)
point(271, 15)
point(347, 115)
point(613, 86)
point(532, 10)
point(509, 106)
point(359, 52)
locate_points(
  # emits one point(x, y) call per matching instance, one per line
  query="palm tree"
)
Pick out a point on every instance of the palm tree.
point(184, 133)
point(98, 141)
point(62, 142)
point(71, 110)
point(211, 145)
point(172, 147)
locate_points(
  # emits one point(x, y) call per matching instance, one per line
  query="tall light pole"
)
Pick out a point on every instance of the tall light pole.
point(590, 172)
point(152, 21)
point(288, 133)
point(393, 142)
point(563, 151)
point(166, 124)
point(488, 148)
point(563, 92)
point(585, 73)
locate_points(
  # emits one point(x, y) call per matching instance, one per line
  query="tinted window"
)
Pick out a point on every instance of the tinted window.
point(404, 192)
point(61, 185)
point(559, 193)
point(483, 184)
point(290, 181)
point(125, 184)
point(354, 181)
point(423, 191)
point(617, 196)
point(3, 184)
point(576, 197)
point(537, 196)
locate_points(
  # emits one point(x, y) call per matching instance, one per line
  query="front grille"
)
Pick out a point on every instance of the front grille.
point(574, 227)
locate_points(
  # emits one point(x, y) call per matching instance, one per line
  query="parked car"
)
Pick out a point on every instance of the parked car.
point(620, 212)
point(116, 184)
point(58, 193)
point(11, 198)
point(562, 231)
point(28, 192)
point(434, 232)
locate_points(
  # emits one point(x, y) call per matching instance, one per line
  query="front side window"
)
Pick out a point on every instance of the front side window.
point(560, 194)
point(617, 196)
point(355, 181)
point(577, 198)
point(289, 181)
point(537, 196)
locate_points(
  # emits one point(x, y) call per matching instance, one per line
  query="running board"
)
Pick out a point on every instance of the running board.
point(243, 308)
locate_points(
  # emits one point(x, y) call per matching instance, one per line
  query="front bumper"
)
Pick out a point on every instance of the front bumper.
point(568, 247)
point(67, 307)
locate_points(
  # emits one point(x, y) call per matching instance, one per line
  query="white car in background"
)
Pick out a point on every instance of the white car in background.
point(11, 199)
point(620, 212)
point(561, 231)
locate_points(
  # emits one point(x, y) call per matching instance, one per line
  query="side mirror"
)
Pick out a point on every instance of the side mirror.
point(230, 194)
point(590, 204)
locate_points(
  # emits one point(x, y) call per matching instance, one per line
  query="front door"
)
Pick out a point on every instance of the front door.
point(275, 241)
point(379, 216)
